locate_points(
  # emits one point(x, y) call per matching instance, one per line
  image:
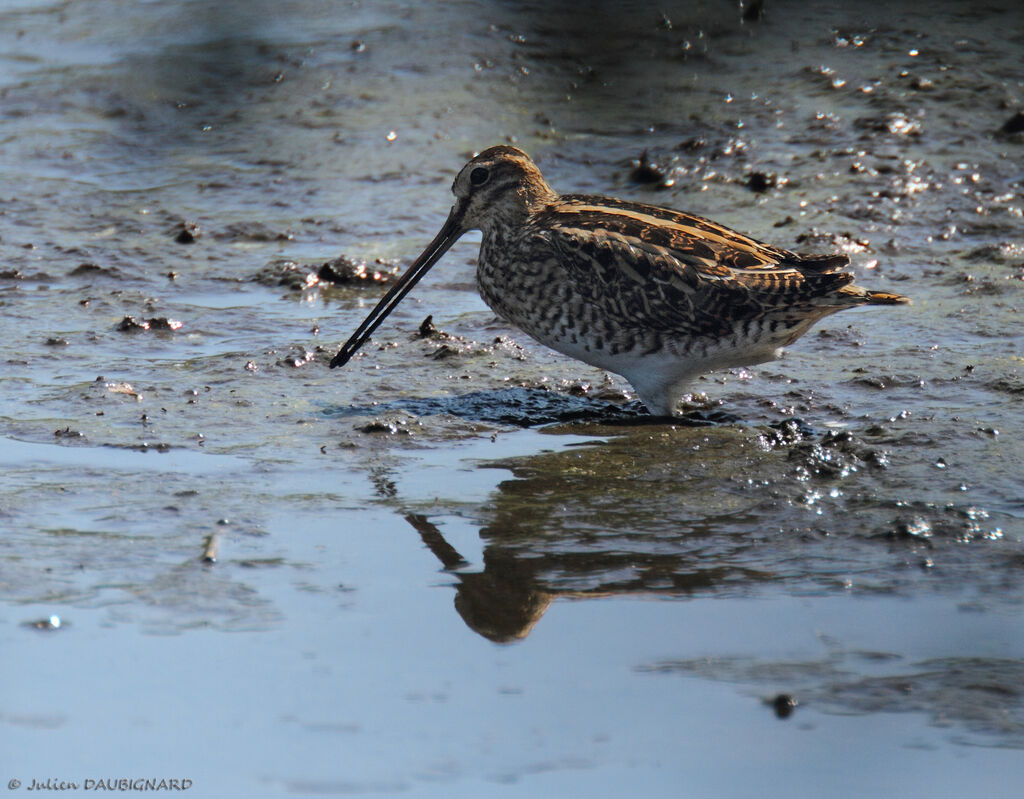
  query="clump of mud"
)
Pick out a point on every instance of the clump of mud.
point(715, 156)
point(131, 324)
point(835, 455)
point(346, 270)
point(342, 271)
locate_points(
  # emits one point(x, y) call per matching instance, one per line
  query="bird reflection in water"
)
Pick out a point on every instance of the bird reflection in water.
point(668, 514)
point(505, 601)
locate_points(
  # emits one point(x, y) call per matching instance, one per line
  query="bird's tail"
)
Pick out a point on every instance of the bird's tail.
point(856, 295)
point(886, 298)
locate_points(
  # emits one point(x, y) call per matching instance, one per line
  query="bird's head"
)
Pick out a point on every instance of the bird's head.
point(500, 185)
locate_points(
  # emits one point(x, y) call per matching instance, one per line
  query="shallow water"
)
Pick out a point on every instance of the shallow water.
point(465, 565)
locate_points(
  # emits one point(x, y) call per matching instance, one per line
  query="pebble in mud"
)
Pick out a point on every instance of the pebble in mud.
point(651, 172)
point(427, 329)
point(124, 389)
point(187, 233)
point(784, 705)
point(211, 547)
point(760, 182)
point(51, 624)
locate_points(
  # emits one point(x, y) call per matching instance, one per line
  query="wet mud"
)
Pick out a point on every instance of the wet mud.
point(201, 202)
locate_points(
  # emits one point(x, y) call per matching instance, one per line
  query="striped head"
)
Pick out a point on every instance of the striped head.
point(499, 186)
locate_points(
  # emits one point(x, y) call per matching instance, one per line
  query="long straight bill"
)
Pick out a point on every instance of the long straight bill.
point(430, 256)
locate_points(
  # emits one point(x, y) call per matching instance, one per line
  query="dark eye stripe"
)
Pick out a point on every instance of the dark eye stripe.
point(495, 189)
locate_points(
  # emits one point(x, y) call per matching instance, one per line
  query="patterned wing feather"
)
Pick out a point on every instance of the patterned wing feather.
point(670, 271)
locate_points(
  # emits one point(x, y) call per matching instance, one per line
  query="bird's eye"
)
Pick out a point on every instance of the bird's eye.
point(478, 177)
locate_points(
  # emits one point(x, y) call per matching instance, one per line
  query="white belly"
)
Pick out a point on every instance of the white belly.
point(661, 378)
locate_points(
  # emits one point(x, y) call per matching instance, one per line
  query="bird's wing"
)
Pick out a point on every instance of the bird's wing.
point(671, 271)
point(688, 235)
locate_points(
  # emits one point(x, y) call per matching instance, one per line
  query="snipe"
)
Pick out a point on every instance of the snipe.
point(655, 295)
